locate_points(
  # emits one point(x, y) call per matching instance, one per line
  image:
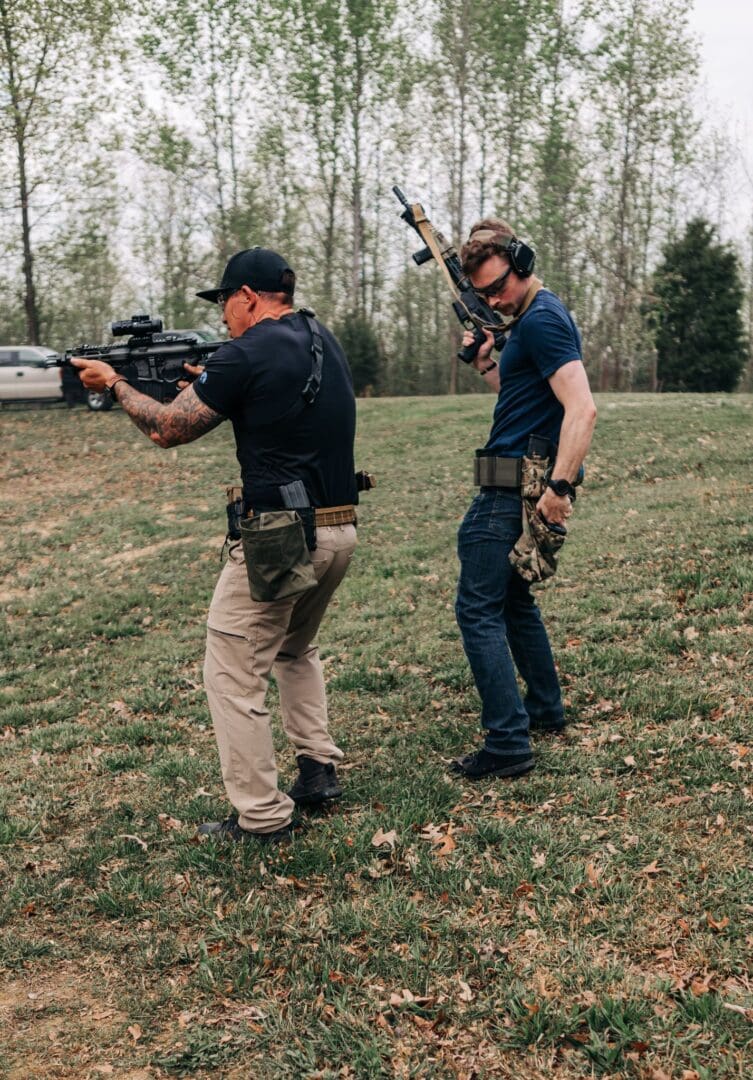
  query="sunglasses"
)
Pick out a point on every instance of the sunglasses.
point(224, 296)
point(496, 286)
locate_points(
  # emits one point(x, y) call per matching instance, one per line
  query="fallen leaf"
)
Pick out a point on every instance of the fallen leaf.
point(652, 869)
point(747, 1013)
point(135, 1032)
point(380, 838)
point(136, 839)
point(630, 761)
point(690, 633)
point(167, 822)
point(717, 924)
point(592, 874)
point(444, 845)
point(466, 994)
point(404, 997)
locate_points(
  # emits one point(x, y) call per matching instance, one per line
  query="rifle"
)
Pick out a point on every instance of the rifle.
point(473, 312)
point(151, 360)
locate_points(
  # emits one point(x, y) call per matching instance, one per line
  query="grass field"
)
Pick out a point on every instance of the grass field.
point(593, 919)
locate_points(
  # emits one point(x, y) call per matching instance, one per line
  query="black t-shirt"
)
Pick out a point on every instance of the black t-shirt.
point(256, 380)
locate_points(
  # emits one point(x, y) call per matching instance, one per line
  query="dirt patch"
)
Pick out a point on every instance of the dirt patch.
point(134, 554)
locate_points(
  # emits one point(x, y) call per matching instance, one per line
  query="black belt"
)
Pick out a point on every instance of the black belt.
point(497, 472)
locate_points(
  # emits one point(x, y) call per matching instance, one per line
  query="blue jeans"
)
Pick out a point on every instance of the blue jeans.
point(498, 617)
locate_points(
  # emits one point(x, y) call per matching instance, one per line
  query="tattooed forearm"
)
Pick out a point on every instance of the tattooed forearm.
point(182, 421)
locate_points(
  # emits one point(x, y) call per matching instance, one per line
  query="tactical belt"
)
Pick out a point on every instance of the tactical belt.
point(329, 515)
point(497, 471)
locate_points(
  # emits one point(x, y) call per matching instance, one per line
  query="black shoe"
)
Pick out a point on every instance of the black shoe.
point(544, 727)
point(229, 829)
point(482, 763)
point(315, 783)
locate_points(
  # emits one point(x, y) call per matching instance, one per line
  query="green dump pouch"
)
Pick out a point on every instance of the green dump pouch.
point(278, 562)
point(534, 556)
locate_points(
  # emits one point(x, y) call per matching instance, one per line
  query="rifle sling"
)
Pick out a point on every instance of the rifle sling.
point(535, 287)
point(429, 236)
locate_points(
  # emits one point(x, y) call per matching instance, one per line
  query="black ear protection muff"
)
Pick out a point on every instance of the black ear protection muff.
point(522, 257)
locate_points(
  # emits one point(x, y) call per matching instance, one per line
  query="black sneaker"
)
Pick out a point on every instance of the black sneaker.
point(315, 783)
point(229, 829)
point(482, 763)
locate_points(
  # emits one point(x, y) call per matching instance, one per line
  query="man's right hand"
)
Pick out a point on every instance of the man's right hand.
point(481, 359)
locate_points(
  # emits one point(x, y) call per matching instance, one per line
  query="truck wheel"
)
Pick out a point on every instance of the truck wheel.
point(99, 402)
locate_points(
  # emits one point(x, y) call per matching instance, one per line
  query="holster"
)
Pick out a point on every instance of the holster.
point(534, 555)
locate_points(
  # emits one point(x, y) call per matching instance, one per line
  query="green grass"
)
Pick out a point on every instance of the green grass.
point(593, 919)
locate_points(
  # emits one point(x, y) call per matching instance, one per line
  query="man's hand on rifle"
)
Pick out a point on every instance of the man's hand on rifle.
point(482, 361)
point(194, 370)
point(96, 375)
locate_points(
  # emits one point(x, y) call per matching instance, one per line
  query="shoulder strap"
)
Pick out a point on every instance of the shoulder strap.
point(314, 381)
point(533, 289)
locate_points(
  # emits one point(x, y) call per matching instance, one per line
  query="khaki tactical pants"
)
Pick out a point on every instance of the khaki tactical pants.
point(246, 641)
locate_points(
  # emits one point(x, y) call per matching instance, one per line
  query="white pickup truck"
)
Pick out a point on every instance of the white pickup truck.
point(29, 373)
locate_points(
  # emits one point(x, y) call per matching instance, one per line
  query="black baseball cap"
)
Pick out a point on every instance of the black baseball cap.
point(257, 267)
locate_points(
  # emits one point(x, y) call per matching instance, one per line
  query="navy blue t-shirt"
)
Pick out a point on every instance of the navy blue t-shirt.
point(256, 381)
point(544, 340)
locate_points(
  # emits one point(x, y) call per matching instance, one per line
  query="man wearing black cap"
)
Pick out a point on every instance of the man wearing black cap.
point(262, 381)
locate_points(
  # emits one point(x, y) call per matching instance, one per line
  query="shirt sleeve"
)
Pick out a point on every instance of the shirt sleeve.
point(551, 341)
point(226, 380)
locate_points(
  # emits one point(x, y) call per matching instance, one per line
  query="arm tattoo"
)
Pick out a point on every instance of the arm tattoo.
point(182, 421)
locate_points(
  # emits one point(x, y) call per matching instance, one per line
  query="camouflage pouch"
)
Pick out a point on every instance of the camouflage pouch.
point(278, 562)
point(534, 556)
point(533, 476)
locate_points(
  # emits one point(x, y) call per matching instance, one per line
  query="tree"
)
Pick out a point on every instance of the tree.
point(643, 67)
point(45, 106)
point(700, 338)
point(361, 345)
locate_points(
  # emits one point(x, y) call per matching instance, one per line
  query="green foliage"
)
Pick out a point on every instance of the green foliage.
point(361, 344)
point(700, 338)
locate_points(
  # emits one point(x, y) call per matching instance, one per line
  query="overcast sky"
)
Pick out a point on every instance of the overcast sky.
point(725, 30)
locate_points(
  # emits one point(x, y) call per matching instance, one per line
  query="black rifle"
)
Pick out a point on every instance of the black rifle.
point(473, 312)
point(151, 360)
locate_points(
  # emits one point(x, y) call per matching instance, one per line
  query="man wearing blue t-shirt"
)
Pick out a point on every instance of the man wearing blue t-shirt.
point(543, 391)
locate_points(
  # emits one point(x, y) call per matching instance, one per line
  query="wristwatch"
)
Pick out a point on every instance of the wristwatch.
point(561, 488)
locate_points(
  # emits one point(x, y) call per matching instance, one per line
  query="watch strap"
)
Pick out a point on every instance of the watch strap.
point(561, 487)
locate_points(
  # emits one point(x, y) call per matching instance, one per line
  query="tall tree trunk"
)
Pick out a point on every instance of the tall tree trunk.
point(19, 132)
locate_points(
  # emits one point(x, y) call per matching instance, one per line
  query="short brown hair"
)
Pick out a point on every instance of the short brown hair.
point(496, 237)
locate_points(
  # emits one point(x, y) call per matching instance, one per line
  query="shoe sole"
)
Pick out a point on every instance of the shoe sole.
point(508, 770)
point(331, 795)
point(544, 730)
